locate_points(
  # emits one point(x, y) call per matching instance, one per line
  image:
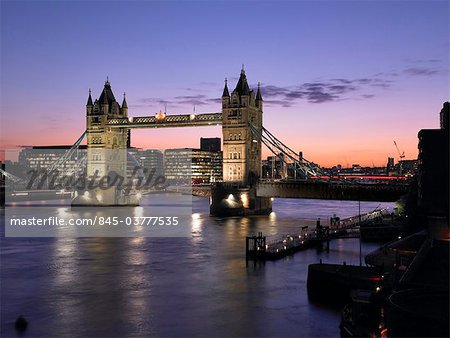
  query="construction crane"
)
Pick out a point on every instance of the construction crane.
point(401, 155)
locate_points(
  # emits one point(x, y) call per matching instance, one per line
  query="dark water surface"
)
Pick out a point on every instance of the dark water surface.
point(197, 286)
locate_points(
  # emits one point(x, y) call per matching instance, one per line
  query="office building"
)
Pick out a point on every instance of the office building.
point(210, 144)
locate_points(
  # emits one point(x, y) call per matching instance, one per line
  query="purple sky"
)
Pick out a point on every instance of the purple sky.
point(341, 79)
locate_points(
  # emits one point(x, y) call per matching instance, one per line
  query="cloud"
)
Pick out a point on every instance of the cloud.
point(285, 96)
point(282, 103)
point(153, 100)
point(425, 67)
point(190, 97)
point(423, 61)
point(192, 102)
point(321, 91)
point(421, 71)
point(270, 91)
point(197, 100)
point(367, 96)
point(216, 100)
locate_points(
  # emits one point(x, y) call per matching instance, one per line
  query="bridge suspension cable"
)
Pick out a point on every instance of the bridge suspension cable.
point(306, 168)
point(11, 177)
point(67, 155)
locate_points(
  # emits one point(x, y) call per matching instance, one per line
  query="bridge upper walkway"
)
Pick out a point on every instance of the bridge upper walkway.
point(166, 121)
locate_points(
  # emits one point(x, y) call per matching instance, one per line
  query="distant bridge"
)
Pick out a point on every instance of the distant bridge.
point(379, 192)
point(329, 190)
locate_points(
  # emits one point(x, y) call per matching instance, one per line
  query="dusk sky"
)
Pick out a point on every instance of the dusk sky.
point(341, 79)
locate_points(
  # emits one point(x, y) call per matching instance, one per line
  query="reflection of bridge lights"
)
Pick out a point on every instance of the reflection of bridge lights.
point(244, 199)
point(138, 211)
point(62, 212)
point(196, 227)
point(137, 240)
point(272, 215)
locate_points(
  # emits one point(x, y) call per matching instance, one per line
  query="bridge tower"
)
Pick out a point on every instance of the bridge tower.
point(241, 152)
point(106, 148)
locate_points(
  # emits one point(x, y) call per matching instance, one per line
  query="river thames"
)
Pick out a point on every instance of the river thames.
point(194, 286)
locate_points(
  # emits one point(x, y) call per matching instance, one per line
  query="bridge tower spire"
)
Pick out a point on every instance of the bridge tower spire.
point(259, 100)
point(89, 104)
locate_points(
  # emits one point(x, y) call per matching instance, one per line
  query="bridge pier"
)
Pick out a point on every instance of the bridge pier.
point(234, 200)
point(103, 197)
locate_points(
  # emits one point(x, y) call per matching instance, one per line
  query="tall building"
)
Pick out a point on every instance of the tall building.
point(433, 173)
point(275, 167)
point(210, 144)
point(152, 159)
point(390, 165)
point(177, 164)
point(205, 166)
point(408, 167)
point(192, 165)
point(241, 149)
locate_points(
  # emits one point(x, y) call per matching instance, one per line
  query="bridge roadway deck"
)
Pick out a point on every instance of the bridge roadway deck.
point(379, 192)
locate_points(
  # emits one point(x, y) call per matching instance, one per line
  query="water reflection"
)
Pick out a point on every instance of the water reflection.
point(196, 227)
point(197, 286)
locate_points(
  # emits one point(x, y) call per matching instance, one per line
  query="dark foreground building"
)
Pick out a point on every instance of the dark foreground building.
point(411, 298)
point(433, 180)
point(419, 305)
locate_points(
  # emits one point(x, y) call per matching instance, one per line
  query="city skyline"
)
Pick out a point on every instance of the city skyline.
point(327, 92)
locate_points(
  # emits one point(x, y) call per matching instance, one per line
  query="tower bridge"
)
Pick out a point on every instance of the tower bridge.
point(241, 192)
